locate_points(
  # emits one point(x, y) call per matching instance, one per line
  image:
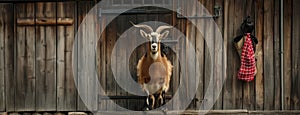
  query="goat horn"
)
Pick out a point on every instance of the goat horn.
point(146, 27)
point(161, 28)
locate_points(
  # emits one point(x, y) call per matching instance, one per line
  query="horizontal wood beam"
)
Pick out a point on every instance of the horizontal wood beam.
point(195, 112)
point(44, 21)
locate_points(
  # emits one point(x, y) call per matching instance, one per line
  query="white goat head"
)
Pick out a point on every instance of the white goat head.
point(153, 37)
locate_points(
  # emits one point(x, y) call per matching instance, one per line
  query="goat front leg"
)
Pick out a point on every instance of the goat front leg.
point(150, 101)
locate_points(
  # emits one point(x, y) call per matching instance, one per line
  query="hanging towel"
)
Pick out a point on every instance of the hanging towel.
point(248, 69)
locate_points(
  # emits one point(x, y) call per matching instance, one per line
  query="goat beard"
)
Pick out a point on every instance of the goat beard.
point(154, 52)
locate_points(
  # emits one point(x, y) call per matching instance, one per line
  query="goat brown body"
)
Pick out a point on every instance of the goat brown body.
point(154, 72)
point(154, 69)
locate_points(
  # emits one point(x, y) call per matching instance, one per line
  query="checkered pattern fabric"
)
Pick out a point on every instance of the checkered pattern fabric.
point(248, 69)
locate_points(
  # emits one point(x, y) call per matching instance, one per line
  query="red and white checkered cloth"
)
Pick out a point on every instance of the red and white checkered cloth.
point(248, 69)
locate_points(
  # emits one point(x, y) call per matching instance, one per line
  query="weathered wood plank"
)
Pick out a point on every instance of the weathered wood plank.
point(82, 11)
point(181, 26)
point(44, 22)
point(102, 69)
point(268, 49)
point(228, 7)
point(295, 96)
point(209, 58)
point(133, 60)
point(66, 90)
point(87, 35)
point(133, 104)
point(218, 58)
point(110, 82)
point(228, 97)
point(46, 60)
point(10, 50)
point(277, 53)
point(25, 94)
point(248, 88)
point(238, 84)
point(71, 90)
point(259, 86)
point(120, 57)
point(190, 43)
point(199, 44)
point(92, 40)
point(3, 22)
point(287, 71)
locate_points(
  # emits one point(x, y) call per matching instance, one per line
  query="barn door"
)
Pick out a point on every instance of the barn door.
point(44, 35)
point(113, 32)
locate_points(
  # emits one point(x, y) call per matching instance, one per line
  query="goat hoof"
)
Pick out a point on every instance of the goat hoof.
point(146, 109)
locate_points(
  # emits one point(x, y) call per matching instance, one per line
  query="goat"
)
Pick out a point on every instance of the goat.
point(154, 69)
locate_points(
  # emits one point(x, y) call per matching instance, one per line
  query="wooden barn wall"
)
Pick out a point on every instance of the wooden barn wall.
point(36, 61)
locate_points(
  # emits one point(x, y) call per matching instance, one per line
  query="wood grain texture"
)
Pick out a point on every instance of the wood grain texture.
point(248, 88)
point(66, 90)
point(209, 57)
point(238, 84)
point(259, 80)
point(295, 96)
point(190, 43)
point(120, 57)
point(10, 59)
point(199, 45)
point(46, 60)
point(110, 82)
point(133, 60)
point(277, 54)
point(36, 60)
point(228, 98)
point(218, 58)
point(25, 94)
point(102, 74)
point(87, 36)
point(287, 71)
point(268, 48)
point(3, 23)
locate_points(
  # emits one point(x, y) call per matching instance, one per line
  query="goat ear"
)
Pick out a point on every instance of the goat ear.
point(144, 34)
point(164, 35)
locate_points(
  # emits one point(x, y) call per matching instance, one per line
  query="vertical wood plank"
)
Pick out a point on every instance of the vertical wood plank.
point(82, 11)
point(120, 56)
point(209, 58)
point(238, 84)
point(248, 88)
point(199, 44)
point(102, 74)
point(259, 86)
point(181, 26)
point(66, 90)
point(135, 104)
point(228, 99)
point(190, 43)
point(70, 90)
point(92, 37)
point(218, 58)
point(40, 58)
point(268, 49)
point(287, 71)
point(3, 24)
point(25, 94)
point(46, 59)
point(9, 49)
point(295, 102)
point(132, 36)
point(277, 53)
point(88, 32)
point(110, 82)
